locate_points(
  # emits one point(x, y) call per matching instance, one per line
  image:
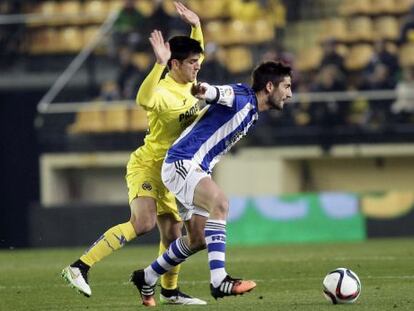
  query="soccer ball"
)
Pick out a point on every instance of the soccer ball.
point(341, 286)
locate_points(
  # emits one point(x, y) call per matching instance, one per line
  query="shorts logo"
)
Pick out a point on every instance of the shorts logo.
point(146, 186)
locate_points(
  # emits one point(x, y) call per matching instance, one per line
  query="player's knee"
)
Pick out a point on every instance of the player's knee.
point(221, 206)
point(197, 241)
point(143, 224)
point(197, 244)
point(170, 236)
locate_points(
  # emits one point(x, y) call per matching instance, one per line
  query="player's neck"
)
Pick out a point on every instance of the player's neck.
point(262, 99)
point(177, 77)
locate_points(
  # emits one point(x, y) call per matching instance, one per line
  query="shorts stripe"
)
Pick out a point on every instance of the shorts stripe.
point(180, 169)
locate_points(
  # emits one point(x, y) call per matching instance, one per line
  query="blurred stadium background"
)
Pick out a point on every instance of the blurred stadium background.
point(337, 164)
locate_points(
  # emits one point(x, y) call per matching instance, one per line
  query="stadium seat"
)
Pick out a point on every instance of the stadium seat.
point(382, 7)
point(358, 56)
point(387, 28)
point(215, 32)
point(70, 39)
point(96, 11)
point(169, 7)
point(334, 28)
point(138, 119)
point(360, 29)
point(50, 10)
point(89, 33)
point(403, 6)
point(208, 9)
point(309, 58)
point(142, 60)
point(70, 11)
point(87, 121)
point(114, 5)
point(43, 41)
point(406, 55)
point(237, 32)
point(355, 7)
point(146, 7)
point(239, 59)
point(262, 31)
point(116, 118)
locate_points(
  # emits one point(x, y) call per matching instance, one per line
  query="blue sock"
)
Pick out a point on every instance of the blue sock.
point(177, 252)
point(215, 235)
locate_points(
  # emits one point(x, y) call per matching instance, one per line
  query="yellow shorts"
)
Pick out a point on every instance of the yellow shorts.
point(146, 182)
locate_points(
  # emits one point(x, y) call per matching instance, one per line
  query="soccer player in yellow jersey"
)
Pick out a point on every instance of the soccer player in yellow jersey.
point(170, 109)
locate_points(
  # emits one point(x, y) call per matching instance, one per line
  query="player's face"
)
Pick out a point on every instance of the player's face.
point(279, 94)
point(188, 68)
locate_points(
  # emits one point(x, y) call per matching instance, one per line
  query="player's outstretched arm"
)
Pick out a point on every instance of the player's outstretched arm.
point(187, 15)
point(204, 91)
point(161, 48)
point(162, 54)
point(217, 94)
point(192, 19)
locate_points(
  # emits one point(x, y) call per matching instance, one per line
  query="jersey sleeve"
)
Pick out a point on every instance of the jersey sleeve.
point(224, 95)
point(146, 94)
point(197, 34)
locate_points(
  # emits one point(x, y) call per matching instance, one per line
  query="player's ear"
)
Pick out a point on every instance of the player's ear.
point(269, 86)
point(174, 63)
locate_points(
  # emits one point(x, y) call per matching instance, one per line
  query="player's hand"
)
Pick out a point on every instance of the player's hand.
point(199, 90)
point(161, 49)
point(186, 14)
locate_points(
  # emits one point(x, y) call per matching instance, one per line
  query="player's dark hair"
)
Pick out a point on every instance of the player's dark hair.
point(271, 71)
point(182, 47)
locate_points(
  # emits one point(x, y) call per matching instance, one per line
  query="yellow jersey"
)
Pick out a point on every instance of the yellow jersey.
point(170, 109)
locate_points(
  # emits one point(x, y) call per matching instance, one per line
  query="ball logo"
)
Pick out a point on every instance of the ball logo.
point(146, 186)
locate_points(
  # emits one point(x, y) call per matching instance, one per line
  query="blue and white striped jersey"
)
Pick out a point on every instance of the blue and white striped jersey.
point(219, 126)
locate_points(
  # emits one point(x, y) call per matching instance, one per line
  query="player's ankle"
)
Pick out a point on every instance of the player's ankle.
point(169, 292)
point(81, 265)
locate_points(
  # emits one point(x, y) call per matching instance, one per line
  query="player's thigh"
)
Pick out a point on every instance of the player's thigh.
point(142, 182)
point(208, 195)
point(143, 214)
point(143, 192)
point(166, 205)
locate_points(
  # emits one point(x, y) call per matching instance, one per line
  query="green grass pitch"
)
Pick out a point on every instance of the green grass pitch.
point(289, 277)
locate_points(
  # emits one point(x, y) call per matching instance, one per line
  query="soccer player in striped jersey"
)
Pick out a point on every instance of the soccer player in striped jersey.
point(170, 109)
point(186, 172)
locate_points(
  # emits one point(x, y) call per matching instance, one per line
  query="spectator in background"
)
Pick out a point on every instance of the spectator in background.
point(403, 107)
point(129, 76)
point(129, 27)
point(168, 23)
point(11, 35)
point(383, 56)
point(381, 73)
point(331, 56)
point(213, 69)
point(378, 113)
point(329, 79)
point(109, 91)
point(407, 28)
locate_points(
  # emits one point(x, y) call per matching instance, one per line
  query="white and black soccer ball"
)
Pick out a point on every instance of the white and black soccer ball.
point(341, 286)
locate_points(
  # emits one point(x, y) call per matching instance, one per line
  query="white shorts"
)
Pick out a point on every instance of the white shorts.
point(181, 178)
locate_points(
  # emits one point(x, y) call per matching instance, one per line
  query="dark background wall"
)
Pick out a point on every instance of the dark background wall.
point(18, 164)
